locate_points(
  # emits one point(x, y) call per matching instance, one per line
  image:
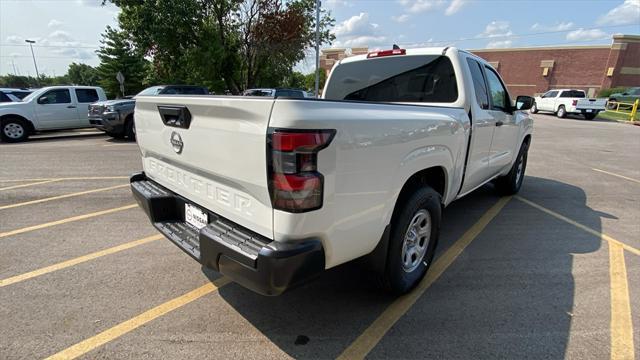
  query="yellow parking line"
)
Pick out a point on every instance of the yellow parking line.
point(374, 333)
point(115, 332)
point(621, 325)
point(64, 221)
point(78, 260)
point(69, 178)
point(580, 226)
point(29, 184)
point(62, 196)
point(617, 175)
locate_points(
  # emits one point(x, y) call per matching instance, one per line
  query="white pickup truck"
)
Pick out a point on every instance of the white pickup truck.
point(49, 108)
point(568, 101)
point(272, 191)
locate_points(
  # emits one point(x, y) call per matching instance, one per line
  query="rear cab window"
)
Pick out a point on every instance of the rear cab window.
point(572, 94)
point(407, 78)
point(479, 83)
point(87, 95)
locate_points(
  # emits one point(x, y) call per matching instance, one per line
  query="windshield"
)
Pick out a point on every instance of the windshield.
point(32, 95)
point(154, 90)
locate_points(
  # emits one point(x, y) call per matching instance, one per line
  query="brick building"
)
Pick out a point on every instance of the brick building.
point(534, 70)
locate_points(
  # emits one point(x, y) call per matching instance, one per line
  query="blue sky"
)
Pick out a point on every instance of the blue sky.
point(69, 30)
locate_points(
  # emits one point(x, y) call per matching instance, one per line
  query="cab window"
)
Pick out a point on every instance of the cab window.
point(58, 96)
point(479, 83)
point(87, 95)
point(499, 96)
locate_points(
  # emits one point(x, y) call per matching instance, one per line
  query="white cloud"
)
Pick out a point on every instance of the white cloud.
point(60, 35)
point(336, 3)
point(418, 6)
point(499, 44)
point(359, 31)
point(624, 14)
point(561, 26)
point(15, 39)
point(455, 6)
point(586, 35)
point(497, 29)
point(53, 23)
point(400, 18)
point(90, 3)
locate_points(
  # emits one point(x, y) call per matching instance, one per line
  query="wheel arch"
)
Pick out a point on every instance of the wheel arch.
point(31, 127)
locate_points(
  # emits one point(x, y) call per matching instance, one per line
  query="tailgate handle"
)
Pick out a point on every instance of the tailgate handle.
point(175, 116)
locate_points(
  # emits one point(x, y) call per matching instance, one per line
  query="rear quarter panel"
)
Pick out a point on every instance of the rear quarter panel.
point(377, 147)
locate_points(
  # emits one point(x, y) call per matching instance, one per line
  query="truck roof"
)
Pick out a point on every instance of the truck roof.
point(416, 51)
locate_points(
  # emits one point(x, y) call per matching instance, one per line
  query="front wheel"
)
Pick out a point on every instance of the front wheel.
point(562, 112)
point(130, 130)
point(413, 239)
point(512, 182)
point(14, 130)
point(534, 108)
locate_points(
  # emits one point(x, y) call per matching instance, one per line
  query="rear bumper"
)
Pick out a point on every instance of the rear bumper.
point(252, 260)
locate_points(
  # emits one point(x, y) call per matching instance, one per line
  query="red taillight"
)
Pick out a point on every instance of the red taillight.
point(574, 102)
point(295, 184)
point(377, 54)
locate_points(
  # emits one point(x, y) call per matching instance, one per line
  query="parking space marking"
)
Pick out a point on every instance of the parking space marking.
point(67, 220)
point(602, 236)
point(78, 260)
point(29, 184)
point(123, 144)
point(69, 178)
point(115, 332)
point(381, 325)
point(62, 196)
point(617, 175)
point(621, 324)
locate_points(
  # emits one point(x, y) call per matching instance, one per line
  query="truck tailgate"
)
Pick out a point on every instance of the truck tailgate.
point(217, 161)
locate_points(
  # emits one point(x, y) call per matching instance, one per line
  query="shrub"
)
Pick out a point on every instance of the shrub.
point(609, 91)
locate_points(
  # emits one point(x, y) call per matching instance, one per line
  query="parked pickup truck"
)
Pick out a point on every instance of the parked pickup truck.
point(271, 191)
point(49, 108)
point(565, 101)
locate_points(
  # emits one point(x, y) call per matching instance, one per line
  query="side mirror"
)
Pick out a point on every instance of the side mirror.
point(625, 93)
point(43, 100)
point(524, 102)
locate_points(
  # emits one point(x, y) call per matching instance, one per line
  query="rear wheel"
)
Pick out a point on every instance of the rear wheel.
point(562, 112)
point(611, 104)
point(14, 130)
point(534, 108)
point(413, 239)
point(512, 182)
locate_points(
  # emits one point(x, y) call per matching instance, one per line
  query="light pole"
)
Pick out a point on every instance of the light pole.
point(31, 42)
point(317, 46)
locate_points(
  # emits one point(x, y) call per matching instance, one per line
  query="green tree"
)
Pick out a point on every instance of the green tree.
point(82, 74)
point(118, 54)
point(224, 44)
point(310, 80)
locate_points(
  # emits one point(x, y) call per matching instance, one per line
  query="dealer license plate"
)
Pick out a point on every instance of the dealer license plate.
point(195, 216)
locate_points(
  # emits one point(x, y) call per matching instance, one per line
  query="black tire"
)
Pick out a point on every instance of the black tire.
point(534, 108)
point(398, 277)
point(130, 129)
point(512, 182)
point(562, 112)
point(14, 129)
point(590, 116)
point(115, 135)
point(611, 104)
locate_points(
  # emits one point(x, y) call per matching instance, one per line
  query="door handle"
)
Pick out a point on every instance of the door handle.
point(71, 107)
point(499, 123)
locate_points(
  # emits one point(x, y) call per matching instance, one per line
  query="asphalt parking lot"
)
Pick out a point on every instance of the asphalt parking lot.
point(551, 273)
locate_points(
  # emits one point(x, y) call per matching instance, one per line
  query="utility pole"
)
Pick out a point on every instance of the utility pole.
point(31, 42)
point(13, 63)
point(317, 47)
